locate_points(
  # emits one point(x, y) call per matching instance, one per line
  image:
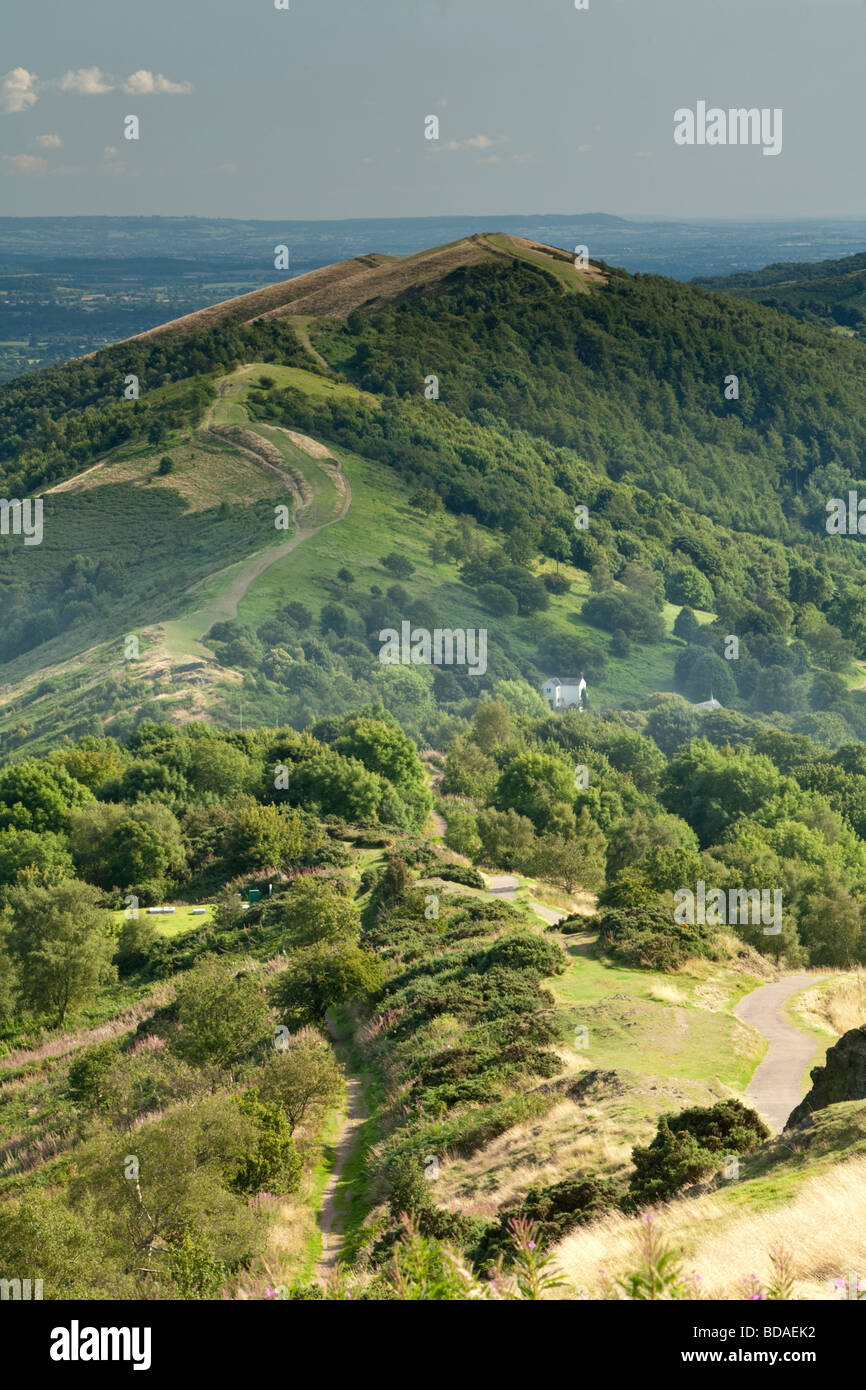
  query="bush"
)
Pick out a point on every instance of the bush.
point(688, 1146)
point(88, 1074)
point(498, 600)
point(274, 1165)
point(322, 976)
point(556, 1210)
point(137, 936)
point(459, 873)
point(647, 937)
point(620, 646)
point(527, 952)
point(556, 583)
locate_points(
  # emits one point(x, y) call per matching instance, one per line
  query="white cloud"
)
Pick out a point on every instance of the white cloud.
point(19, 90)
point(144, 83)
point(25, 163)
point(475, 142)
point(49, 142)
point(88, 82)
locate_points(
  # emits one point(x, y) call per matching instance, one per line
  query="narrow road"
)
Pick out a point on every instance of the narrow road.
point(505, 886)
point(777, 1084)
point(329, 1216)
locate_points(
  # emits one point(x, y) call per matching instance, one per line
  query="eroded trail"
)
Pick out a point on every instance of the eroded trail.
point(222, 606)
point(776, 1086)
point(330, 1215)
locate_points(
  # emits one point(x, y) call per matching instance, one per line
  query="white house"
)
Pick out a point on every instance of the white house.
point(564, 692)
point(710, 704)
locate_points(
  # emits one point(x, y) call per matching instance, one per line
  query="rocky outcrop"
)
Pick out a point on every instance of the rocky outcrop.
point(843, 1077)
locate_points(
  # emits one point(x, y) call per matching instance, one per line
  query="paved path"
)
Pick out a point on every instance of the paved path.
point(777, 1084)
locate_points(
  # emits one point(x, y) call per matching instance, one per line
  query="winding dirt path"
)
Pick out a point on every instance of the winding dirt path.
point(329, 1215)
point(776, 1086)
point(223, 606)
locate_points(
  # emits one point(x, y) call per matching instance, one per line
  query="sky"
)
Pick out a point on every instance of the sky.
point(319, 110)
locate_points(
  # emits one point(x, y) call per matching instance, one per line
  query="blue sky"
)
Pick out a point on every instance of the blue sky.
point(318, 111)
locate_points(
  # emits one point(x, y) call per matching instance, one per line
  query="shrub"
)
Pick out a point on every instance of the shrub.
point(528, 952)
point(498, 600)
point(274, 1165)
point(647, 937)
point(459, 873)
point(556, 1209)
point(556, 583)
point(136, 938)
point(687, 1146)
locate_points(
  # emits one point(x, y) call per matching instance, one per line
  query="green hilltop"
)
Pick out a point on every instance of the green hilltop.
point(557, 388)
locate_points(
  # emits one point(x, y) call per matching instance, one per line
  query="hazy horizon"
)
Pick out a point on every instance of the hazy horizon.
point(318, 112)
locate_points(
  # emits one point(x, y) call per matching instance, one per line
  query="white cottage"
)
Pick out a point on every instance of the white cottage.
point(564, 692)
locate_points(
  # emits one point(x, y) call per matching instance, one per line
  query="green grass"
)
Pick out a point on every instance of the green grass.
point(175, 925)
point(629, 1029)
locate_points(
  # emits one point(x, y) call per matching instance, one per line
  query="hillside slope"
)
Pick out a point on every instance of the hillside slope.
point(557, 388)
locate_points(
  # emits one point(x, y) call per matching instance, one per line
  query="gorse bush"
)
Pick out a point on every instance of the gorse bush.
point(692, 1144)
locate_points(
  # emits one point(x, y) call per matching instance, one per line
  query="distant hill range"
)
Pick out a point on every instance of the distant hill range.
point(832, 293)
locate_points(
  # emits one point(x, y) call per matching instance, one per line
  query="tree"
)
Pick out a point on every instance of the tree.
point(91, 761)
point(264, 837)
point(166, 465)
point(219, 767)
point(507, 839)
point(571, 860)
point(36, 858)
point(127, 846)
point(221, 1014)
point(686, 625)
point(333, 618)
point(539, 786)
point(38, 796)
point(322, 976)
point(346, 577)
point(42, 1238)
point(60, 939)
point(497, 600)
point(492, 725)
point(304, 1079)
point(185, 1167)
point(273, 1165)
point(310, 912)
point(398, 565)
point(831, 925)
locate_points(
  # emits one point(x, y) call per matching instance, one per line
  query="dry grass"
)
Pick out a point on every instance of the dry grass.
point(839, 1007)
point(594, 1134)
point(86, 1037)
point(822, 1229)
point(668, 994)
